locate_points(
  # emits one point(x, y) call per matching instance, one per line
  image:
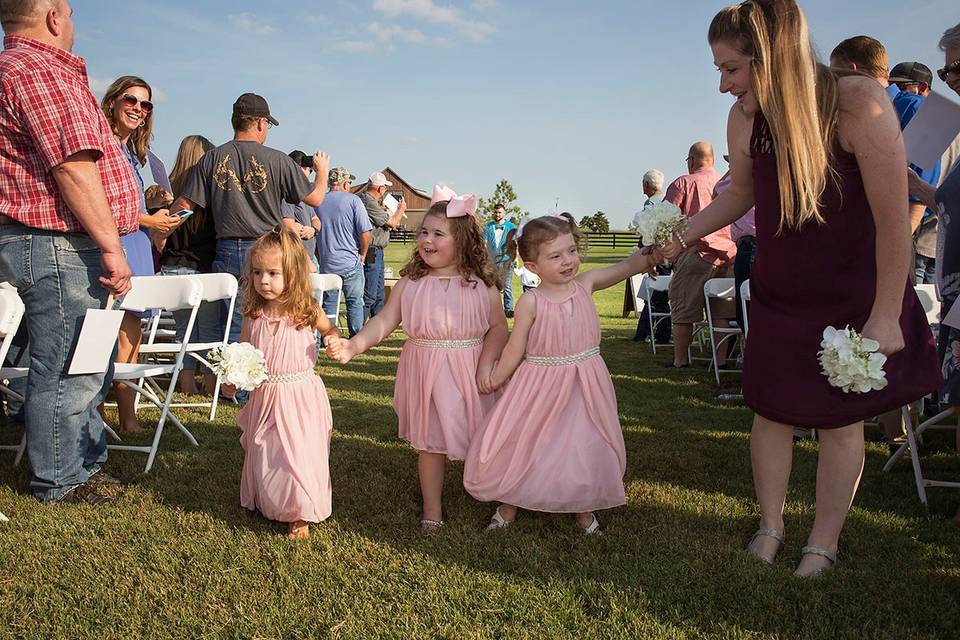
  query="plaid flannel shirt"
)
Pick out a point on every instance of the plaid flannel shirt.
point(48, 114)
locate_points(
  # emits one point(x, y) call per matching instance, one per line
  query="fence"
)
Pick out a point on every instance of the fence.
point(610, 239)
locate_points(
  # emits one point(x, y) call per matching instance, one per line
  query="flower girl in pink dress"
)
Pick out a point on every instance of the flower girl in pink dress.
point(286, 423)
point(448, 301)
point(553, 441)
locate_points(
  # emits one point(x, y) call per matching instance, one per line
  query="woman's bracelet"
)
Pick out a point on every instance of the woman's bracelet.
point(682, 243)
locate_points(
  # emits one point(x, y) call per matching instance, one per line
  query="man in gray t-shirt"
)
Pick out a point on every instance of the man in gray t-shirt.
point(382, 222)
point(242, 184)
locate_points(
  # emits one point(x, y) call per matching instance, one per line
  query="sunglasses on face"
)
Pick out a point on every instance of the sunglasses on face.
point(128, 100)
point(953, 67)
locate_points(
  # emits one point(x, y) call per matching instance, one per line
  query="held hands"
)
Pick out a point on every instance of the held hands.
point(306, 232)
point(485, 378)
point(886, 331)
point(339, 350)
point(648, 258)
point(673, 250)
point(159, 198)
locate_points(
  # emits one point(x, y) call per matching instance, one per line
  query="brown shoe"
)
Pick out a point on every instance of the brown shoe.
point(86, 494)
point(103, 479)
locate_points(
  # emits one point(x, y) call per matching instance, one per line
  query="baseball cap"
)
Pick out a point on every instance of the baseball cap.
point(340, 174)
point(911, 72)
point(250, 104)
point(379, 180)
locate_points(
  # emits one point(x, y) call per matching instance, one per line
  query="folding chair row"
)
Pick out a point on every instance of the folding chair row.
point(927, 295)
point(643, 287)
point(719, 289)
point(215, 288)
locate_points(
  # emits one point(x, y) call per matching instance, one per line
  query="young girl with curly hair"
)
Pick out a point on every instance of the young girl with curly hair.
point(448, 301)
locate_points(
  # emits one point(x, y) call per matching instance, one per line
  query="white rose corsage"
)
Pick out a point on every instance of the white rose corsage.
point(852, 362)
point(658, 224)
point(239, 364)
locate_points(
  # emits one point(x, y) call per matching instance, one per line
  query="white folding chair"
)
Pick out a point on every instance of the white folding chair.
point(638, 284)
point(661, 283)
point(164, 293)
point(216, 287)
point(11, 314)
point(719, 289)
point(744, 299)
point(913, 439)
point(928, 299)
point(321, 282)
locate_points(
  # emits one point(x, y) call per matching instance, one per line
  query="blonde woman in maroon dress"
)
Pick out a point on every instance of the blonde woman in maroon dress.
point(820, 155)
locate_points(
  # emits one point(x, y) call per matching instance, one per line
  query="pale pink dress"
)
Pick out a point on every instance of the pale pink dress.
point(438, 404)
point(553, 442)
point(286, 430)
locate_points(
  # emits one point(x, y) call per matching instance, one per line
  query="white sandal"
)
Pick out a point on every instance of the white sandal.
point(428, 525)
point(497, 521)
point(594, 528)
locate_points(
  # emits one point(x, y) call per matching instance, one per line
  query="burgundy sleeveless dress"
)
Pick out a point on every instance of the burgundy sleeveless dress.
point(822, 275)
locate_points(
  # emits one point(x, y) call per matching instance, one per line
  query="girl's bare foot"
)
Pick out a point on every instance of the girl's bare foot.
point(298, 530)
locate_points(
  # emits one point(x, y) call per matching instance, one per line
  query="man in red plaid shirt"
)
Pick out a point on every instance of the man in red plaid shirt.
point(66, 195)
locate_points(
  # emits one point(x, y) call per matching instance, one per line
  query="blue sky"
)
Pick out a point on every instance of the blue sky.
point(565, 99)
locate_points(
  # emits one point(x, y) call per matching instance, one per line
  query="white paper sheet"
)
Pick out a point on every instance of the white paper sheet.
point(390, 203)
point(931, 130)
point(953, 317)
point(98, 336)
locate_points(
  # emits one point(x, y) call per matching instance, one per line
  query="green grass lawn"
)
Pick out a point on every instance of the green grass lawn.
point(178, 557)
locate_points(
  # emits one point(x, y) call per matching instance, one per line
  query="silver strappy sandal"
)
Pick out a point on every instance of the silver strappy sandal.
point(818, 551)
point(497, 521)
point(767, 533)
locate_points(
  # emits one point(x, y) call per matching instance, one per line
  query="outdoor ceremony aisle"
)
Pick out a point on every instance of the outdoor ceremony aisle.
point(178, 557)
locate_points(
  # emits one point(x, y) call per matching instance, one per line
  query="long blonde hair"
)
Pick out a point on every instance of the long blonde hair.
point(139, 142)
point(797, 95)
point(192, 148)
point(296, 302)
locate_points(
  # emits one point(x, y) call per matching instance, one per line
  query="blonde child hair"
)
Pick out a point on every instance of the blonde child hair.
point(297, 301)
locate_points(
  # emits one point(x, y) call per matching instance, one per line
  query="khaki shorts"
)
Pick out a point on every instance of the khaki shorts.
point(686, 290)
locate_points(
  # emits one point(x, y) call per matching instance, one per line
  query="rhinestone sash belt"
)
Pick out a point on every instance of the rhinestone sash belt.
point(556, 361)
point(447, 344)
point(289, 377)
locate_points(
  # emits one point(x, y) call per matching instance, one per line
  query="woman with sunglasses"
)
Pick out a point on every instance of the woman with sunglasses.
point(129, 111)
point(945, 200)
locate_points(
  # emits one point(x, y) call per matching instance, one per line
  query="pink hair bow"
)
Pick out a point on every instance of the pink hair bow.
point(459, 206)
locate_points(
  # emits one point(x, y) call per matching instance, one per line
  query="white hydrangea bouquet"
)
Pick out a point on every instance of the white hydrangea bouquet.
point(852, 362)
point(239, 364)
point(658, 224)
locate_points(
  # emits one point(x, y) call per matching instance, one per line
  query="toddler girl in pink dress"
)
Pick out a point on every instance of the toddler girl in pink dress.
point(286, 423)
point(449, 303)
point(553, 441)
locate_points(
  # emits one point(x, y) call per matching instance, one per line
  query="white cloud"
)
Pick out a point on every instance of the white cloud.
point(355, 46)
point(391, 33)
point(442, 15)
point(250, 23)
point(99, 86)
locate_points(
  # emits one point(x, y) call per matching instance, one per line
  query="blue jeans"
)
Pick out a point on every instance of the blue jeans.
point(373, 292)
point(506, 278)
point(742, 265)
point(57, 277)
point(353, 293)
point(926, 269)
point(207, 326)
point(230, 258)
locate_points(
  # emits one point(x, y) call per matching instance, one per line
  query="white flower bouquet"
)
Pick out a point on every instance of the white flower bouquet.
point(852, 362)
point(239, 364)
point(658, 224)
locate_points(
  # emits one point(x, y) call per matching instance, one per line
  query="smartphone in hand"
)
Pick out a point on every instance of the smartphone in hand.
point(183, 213)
